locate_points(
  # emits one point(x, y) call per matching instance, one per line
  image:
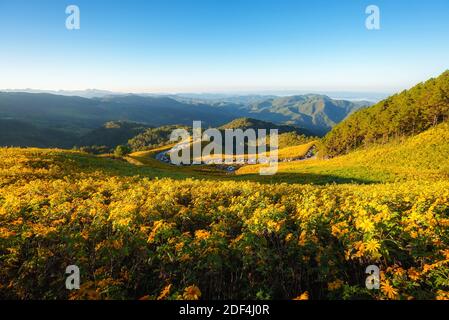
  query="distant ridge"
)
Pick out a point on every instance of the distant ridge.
point(79, 116)
point(88, 93)
point(315, 113)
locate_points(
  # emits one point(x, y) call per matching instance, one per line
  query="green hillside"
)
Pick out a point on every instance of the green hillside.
point(421, 157)
point(153, 137)
point(407, 113)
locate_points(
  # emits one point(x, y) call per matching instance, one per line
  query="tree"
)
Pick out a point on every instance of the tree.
point(122, 150)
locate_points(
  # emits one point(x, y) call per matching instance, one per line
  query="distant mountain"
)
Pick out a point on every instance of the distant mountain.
point(72, 114)
point(88, 93)
point(159, 110)
point(407, 113)
point(22, 134)
point(221, 99)
point(78, 116)
point(316, 113)
point(244, 98)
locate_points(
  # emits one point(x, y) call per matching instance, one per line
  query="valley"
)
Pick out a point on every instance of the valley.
point(87, 122)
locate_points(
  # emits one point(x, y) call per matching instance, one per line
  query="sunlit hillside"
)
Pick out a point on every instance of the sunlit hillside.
point(425, 156)
point(404, 114)
point(283, 154)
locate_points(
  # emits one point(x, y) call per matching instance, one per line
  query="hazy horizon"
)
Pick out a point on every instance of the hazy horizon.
point(91, 92)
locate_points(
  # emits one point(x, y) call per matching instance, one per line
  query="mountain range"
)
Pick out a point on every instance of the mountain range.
point(52, 120)
point(315, 113)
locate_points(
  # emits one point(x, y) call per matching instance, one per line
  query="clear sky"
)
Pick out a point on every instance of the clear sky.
point(222, 45)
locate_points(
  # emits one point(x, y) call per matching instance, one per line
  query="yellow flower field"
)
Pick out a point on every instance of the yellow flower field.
point(136, 237)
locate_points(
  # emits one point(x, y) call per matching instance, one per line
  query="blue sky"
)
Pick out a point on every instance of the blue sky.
point(222, 45)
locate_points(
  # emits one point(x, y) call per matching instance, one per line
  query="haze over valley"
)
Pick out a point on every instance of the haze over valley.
point(50, 120)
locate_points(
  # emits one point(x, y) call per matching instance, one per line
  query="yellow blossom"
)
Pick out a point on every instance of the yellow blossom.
point(303, 296)
point(389, 291)
point(165, 292)
point(202, 234)
point(335, 285)
point(192, 293)
point(372, 246)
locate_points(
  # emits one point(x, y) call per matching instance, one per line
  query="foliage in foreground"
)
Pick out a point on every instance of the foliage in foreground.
point(134, 237)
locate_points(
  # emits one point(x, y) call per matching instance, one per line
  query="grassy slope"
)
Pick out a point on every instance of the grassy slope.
point(36, 163)
point(146, 159)
point(295, 151)
point(292, 152)
point(424, 156)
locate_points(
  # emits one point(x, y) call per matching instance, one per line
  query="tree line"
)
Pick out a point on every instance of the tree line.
point(405, 114)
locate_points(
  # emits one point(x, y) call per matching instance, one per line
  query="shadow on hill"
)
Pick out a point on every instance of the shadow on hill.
point(303, 178)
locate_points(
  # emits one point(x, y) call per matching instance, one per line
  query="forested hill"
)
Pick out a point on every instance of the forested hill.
point(407, 113)
point(250, 123)
point(112, 133)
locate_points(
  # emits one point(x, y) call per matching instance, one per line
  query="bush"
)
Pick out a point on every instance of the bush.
point(121, 151)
